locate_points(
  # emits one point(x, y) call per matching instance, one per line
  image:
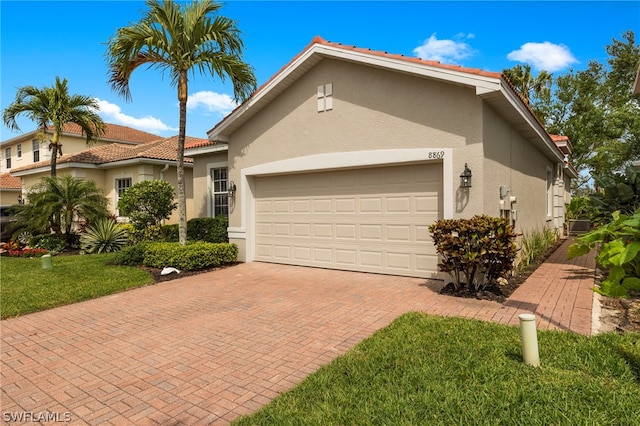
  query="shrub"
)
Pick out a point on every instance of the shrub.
point(477, 251)
point(169, 233)
point(104, 236)
point(26, 252)
point(619, 243)
point(131, 255)
point(534, 244)
point(209, 229)
point(190, 257)
point(50, 242)
point(147, 203)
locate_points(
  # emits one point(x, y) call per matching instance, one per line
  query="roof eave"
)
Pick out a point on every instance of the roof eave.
point(204, 150)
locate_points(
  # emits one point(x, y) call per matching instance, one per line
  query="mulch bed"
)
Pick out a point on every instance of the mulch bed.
point(500, 293)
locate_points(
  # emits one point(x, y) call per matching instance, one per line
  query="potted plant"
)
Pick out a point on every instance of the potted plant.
point(577, 216)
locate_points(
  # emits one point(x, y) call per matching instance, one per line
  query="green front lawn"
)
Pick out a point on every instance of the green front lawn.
point(25, 287)
point(426, 370)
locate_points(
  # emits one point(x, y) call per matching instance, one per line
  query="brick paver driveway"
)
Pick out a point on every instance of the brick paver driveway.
point(206, 348)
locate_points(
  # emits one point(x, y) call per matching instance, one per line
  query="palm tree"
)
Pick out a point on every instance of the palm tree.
point(527, 85)
point(180, 39)
point(54, 107)
point(56, 202)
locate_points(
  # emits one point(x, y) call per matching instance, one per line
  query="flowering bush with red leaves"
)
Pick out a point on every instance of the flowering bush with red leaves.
point(26, 252)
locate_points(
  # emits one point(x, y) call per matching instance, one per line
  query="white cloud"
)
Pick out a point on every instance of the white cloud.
point(544, 56)
point(112, 113)
point(445, 51)
point(213, 102)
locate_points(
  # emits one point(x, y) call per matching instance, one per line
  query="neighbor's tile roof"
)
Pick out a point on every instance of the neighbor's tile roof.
point(10, 182)
point(164, 149)
point(116, 132)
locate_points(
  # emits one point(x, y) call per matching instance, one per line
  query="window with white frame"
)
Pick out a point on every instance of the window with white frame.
point(220, 195)
point(35, 144)
point(325, 97)
point(19, 150)
point(7, 154)
point(121, 186)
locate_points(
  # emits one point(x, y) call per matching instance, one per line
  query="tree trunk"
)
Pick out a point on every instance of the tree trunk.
point(53, 147)
point(182, 201)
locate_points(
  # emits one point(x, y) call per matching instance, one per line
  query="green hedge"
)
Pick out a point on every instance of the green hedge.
point(190, 257)
point(208, 229)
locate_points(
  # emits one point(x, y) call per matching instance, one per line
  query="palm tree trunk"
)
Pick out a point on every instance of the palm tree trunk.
point(53, 147)
point(182, 201)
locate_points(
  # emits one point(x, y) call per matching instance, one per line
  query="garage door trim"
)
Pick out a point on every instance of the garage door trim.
point(331, 161)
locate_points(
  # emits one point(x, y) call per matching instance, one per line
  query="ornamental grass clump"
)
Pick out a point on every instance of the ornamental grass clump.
point(476, 252)
point(105, 236)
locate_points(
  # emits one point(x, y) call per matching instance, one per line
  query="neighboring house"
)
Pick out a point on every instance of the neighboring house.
point(28, 148)
point(345, 157)
point(117, 166)
point(10, 189)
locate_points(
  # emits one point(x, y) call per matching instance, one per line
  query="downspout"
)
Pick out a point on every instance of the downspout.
point(164, 169)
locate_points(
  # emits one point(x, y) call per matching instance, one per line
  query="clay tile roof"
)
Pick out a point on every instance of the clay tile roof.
point(163, 149)
point(320, 40)
point(10, 182)
point(196, 143)
point(117, 133)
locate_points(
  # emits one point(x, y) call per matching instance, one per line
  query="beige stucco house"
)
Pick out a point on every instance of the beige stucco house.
point(117, 166)
point(346, 155)
point(29, 148)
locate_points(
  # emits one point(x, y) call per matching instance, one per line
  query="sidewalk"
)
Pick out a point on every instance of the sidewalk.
point(559, 293)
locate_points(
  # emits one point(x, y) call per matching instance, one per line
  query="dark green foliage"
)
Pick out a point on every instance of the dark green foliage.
point(597, 110)
point(147, 203)
point(209, 229)
point(104, 236)
point(476, 251)
point(50, 242)
point(190, 257)
point(59, 203)
point(619, 243)
point(619, 192)
point(131, 255)
point(169, 233)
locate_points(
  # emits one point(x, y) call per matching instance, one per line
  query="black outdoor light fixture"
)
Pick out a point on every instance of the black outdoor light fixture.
point(232, 189)
point(465, 177)
point(20, 199)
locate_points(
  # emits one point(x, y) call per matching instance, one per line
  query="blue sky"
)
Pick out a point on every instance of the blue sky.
point(44, 39)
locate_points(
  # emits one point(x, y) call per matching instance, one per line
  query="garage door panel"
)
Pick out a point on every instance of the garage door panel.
point(372, 220)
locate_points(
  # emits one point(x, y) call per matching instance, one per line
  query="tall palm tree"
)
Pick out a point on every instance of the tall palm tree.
point(527, 85)
point(56, 202)
point(180, 39)
point(54, 107)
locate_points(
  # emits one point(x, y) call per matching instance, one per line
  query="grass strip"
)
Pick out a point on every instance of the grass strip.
point(26, 287)
point(427, 370)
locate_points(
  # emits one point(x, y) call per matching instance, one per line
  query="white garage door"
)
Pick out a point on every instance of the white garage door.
point(369, 220)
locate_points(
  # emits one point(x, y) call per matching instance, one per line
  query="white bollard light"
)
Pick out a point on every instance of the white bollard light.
point(529, 339)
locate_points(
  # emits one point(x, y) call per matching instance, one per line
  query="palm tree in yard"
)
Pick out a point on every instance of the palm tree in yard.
point(527, 84)
point(56, 202)
point(53, 107)
point(180, 39)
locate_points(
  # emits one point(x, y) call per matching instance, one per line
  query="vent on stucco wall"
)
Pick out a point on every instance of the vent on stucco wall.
point(325, 97)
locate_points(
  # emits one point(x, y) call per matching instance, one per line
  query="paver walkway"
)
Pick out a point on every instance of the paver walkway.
point(209, 348)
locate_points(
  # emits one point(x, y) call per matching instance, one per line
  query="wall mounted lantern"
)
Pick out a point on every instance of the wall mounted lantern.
point(465, 177)
point(20, 199)
point(232, 189)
